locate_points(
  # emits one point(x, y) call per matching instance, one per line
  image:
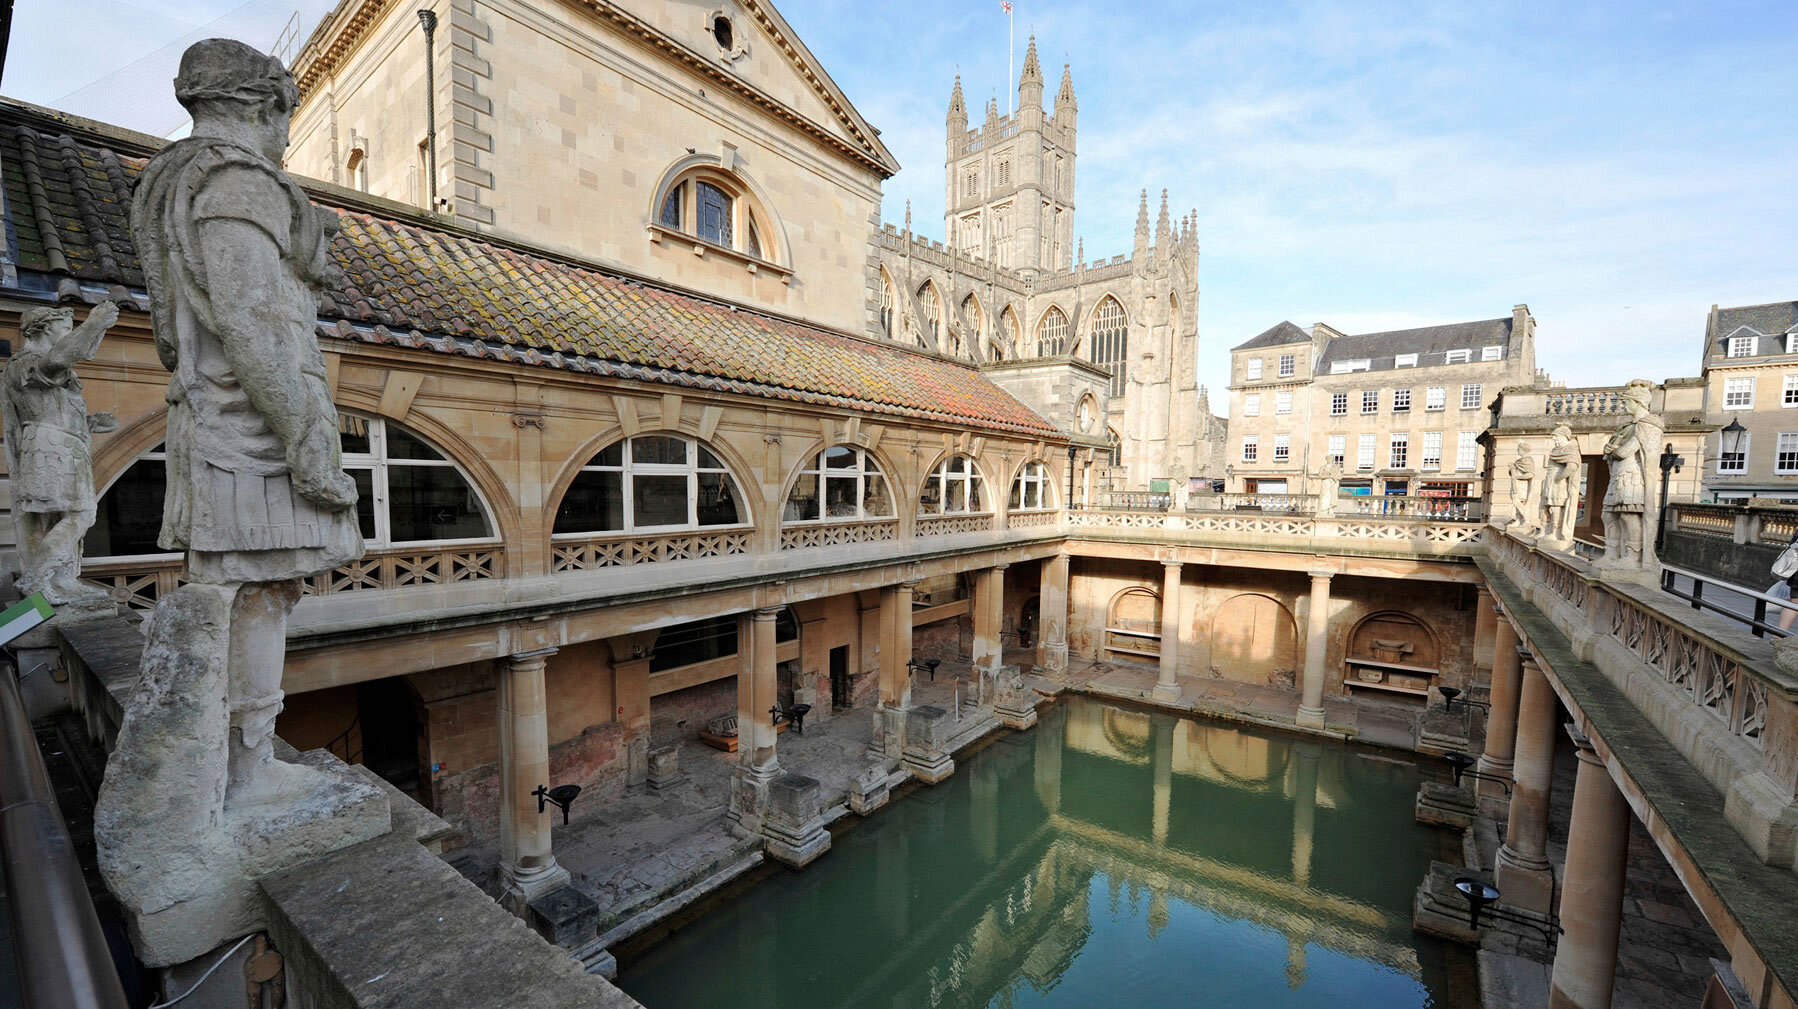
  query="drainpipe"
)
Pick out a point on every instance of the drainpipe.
point(1070, 502)
point(428, 19)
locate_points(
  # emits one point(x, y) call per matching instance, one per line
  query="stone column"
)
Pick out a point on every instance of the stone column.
point(1166, 687)
point(1162, 731)
point(989, 618)
point(756, 745)
point(1052, 615)
point(895, 671)
point(1304, 810)
point(1592, 894)
point(1501, 723)
point(1524, 874)
point(1317, 643)
point(1485, 622)
point(527, 865)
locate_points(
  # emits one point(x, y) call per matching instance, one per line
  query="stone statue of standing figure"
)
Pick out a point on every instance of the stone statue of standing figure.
point(195, 804)
point(1523, 490)
point(1560, 490)
point(49, 448)
point(1629, 502)
point(1329, 484)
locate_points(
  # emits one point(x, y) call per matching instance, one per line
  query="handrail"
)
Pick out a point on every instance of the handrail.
point(63, 960)
point(1757, 625)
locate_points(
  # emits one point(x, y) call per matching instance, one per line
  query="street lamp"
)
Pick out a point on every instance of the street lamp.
point(1671, 462)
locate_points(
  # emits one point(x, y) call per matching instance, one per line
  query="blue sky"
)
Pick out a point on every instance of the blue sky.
point(1619, 167)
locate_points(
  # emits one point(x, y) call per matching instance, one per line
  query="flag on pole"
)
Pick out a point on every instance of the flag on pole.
point(1005, 5)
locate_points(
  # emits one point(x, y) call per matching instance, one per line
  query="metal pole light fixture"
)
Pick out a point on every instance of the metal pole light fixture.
point(1672, 461)
point(1463, 768)
point(562, 796)
point(1452, 696)
point(928, 665)
point(427, 19)
point(1482, 897)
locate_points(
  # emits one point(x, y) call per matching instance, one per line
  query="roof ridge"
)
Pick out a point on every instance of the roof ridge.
point(1439, 325)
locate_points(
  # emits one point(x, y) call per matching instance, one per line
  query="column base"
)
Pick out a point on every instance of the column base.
point(521, 887)
point(749, 800)
point(1526, 882)
point(794, 826)
point(1169, 692)
point(927, 730)
point(869, 790)
point(889, 732)
point(1310, 718)
point(1052, 657)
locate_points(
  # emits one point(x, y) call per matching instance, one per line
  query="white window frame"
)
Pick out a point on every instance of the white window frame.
point(1338, 448)
point(1742, 346)
point(1364, 452)
point(1283, 401)
point(1370, 401)
point(971, 480)
point(630, 469)
point(1436, 398)
point(1253, 369)
point(864, 467)
point(1792, 343)
point(1251, 404)
point(1398, 450)
point(1401, 401)
point(1467, 450)
point(1458, 357)
point(380, 466)
point(1786, 446)
point(1282, 447)
point(1345, 367)
point(1033, 476)
point(157, 454)
point(1738, 393)
point(1339, 404)
point(1788, 394)
point(1490, 353)
point(1405, 361)
point(1741, 461)
point(1251, 447)
point(1432, 450)
point(1470, 396)
point(1288, 365)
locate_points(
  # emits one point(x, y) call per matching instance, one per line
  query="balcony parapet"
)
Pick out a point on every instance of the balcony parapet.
point(1287, 532)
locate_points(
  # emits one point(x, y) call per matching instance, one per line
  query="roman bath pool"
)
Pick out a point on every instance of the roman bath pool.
point(1109, 857)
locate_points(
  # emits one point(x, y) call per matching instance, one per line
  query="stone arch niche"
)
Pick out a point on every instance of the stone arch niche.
point(1254, 640)
point(1133, 626)
point(1395, 652)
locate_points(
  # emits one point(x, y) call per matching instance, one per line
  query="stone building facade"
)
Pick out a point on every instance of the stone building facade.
point(1750, 371)
point(1398, 411)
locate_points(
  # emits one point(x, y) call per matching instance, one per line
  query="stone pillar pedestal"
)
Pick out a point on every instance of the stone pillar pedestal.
point(1167, 687)
point(1501, 723)
point(1524, 875)
point(1052, 615)
point(869, 790)
point(895, 670)
point(794, 826)
point(1592, 896)
point(1013, 703)
point(927, 730)
point(527, 865)
point(1317, 640)
point(664, 768)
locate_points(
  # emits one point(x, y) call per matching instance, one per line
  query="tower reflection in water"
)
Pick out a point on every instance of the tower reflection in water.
point(1110, 857)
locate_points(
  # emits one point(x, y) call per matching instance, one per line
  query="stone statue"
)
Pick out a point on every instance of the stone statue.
point(1629, 505)
point(48, 436)
point(1560, 488)
point(233, 255)
point(1523, 490)
point(1329, 484)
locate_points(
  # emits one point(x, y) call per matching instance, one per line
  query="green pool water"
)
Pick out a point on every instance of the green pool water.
point(1109, 857)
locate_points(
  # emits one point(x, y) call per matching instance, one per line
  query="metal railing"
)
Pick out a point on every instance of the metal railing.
point(1757, 623)
point(63, 961)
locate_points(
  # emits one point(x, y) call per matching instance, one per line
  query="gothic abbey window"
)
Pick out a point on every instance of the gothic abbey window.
point(840, 484)
point(1010, 339)
point(1108, 341)
point(1033, 489)
point(887, 300)
point(716, 206)
point(954, 487)
point(974, 318)
point(651, 483)
point(1052, 333)
point(931, 305)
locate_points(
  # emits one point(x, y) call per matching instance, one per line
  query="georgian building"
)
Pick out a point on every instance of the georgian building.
point(1400, 412)
point(1750, 369)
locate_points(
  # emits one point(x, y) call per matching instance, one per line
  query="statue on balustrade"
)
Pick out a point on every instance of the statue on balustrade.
point(48, 449)
point(1630, 501)
point(1560, 488)
point(1329, 484)
point(234, 254)
point(1524, 476)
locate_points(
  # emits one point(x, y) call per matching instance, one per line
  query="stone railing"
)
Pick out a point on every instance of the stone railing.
point(830, 534)
point(137, 583)
point(1713, 691)
point(1284, 531)
point(1583, 402)
point(1032, 520)
point(623, 551)
point(1772, 526)
point(1737, 543)
point(945, 525)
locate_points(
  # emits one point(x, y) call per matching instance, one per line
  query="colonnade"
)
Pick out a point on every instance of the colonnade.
point(1521, 734)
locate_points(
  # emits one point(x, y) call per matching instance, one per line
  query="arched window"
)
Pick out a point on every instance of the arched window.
point(717, 207)
point(931, 305)
point(1107, 344)
point(1052, 333)
point(974, 316)
point(839, 484)
point(887, 299)
point(408, 493)
point(955, 487)
point(651, 483)
point(1011, 335)
point(1117, 445)
point(1033, 489)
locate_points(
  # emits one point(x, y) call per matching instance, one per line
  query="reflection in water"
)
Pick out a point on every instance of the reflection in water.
point(1108, 858)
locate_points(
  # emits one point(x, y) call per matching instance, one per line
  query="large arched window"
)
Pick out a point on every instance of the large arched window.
point(840, 484)
point(1107, 344)
point(651, 483)
point(717, 207)
point(887, 300)
point(1116, 441)
point(1011, 335)
point(931, 305)
point(1033, 489)
point(975, 318)
point(955, 487)
point(1052, 333)
point(408, 493)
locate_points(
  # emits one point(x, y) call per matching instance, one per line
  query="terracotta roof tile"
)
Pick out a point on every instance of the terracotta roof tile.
point(412, 285)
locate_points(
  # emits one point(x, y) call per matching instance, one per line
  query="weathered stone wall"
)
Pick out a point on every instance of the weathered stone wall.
point(681, 715)
point(1747, 564)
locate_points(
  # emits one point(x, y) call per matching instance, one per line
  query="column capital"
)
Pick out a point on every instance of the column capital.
point(767, 612)
point(1321, 575)
point(1173, 564)
point(910, 585)
point(535, 655)
point(1583, 748)
point(1001, 566)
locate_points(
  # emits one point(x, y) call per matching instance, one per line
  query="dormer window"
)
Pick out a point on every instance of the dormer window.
point(1743, 346)
point(1792, 343)
point(1490, 353)
point(1458, 357)
point(1405, 361)
point(1344, 367)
